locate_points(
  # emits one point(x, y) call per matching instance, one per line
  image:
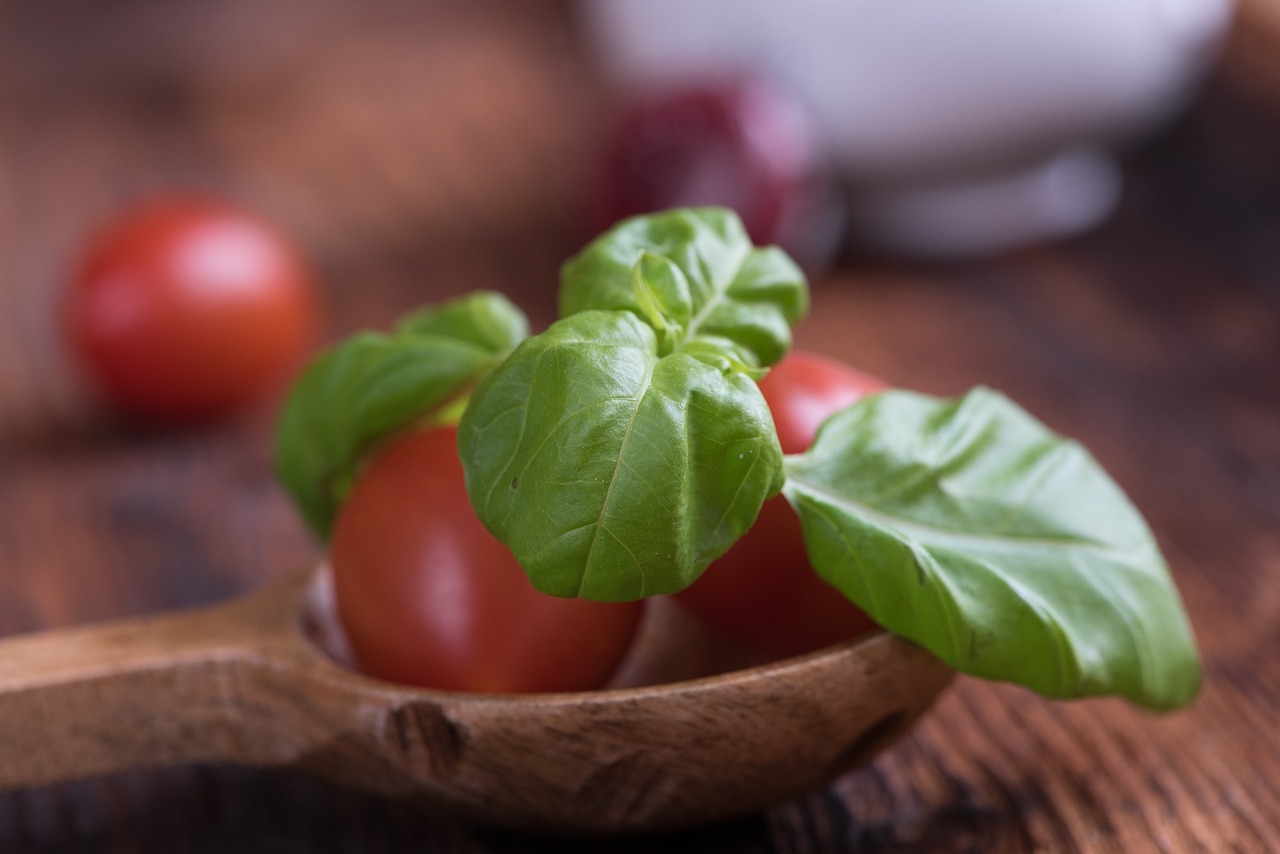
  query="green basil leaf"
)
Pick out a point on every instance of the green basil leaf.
point(485, 319)
point(692, 274)
point(968, 527)
point(662, 295)
point(373, 385)
point(610, 471)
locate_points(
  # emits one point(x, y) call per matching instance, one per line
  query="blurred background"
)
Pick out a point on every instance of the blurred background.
point(386, 141)
point(1083, 210)
point(411, 151)
point(392, 142)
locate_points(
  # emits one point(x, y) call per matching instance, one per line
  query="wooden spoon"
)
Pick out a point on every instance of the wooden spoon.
point(249, 683)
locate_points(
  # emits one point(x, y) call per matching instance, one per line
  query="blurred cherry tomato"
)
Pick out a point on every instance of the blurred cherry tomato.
point(185, 309)
point(428, 597)
point(762, 592)
point(739, 143)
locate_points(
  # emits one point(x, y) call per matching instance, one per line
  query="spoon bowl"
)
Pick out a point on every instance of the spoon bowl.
point(260, 681)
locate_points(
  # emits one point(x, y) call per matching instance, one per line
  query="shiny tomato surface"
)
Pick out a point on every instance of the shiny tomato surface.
point(186, 309)
point(428, 597)
point(762, 593)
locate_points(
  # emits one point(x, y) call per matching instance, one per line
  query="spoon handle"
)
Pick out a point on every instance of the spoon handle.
point(190, 686)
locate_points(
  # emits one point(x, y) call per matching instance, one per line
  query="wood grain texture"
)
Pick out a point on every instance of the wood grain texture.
point(431, 149)
point(246, 683)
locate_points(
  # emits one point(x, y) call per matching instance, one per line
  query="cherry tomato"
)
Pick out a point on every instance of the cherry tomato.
point(762, 593)
point(428, 597)
point(186, 309)
point(740, 143)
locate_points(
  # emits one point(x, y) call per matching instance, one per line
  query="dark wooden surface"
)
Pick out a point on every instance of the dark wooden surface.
point(419, 151)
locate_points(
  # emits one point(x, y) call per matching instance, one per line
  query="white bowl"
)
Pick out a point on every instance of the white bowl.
point(962, 126)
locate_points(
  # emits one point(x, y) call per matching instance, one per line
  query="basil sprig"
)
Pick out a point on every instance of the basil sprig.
point(626, 447)
point(373, 385)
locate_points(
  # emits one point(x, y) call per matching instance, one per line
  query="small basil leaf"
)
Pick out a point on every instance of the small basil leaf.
point(373, 385)
point(735, 291)
point(485, 319)
point(971, 529)
point(613, 473)
point(661, 293)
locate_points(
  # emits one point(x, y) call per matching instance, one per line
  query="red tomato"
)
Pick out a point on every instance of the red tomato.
point(428, 597)
point(762, 592)
point(186, 309)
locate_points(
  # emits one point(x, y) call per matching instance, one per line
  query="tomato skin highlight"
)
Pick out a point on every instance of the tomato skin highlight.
point(427, 596)
point(762, 593)
point(186, 309)
point(805, 389)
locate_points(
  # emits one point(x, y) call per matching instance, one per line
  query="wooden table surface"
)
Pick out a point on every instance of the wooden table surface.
point(423, 150)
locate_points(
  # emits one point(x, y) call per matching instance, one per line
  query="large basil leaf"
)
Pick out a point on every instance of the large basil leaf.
point(694, 275)
point(612, 472)
point(971, 529)
point(374, 384)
